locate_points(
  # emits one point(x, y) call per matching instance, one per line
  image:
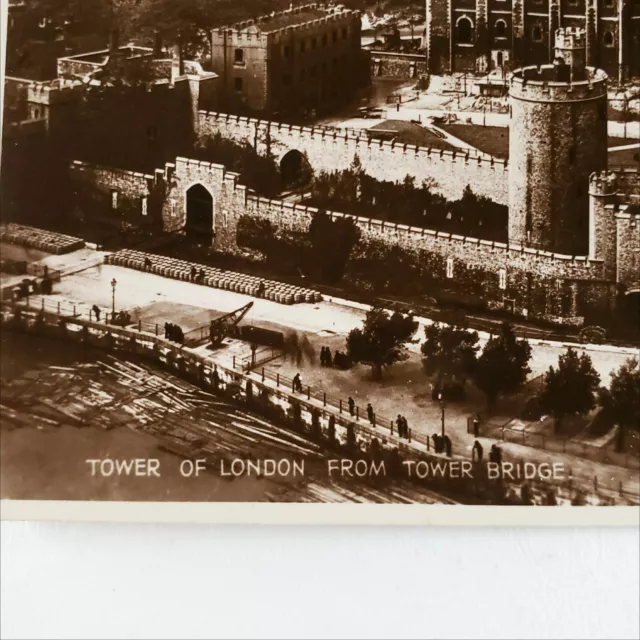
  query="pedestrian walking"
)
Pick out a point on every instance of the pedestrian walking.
point(194, 273)
point(201, 276)
point(147, 263)
point(332, 428)
point(405, 427)
point(370, 413)
point(329, 357)
point(476, 426)
point(399, 424)
point(447, 445)
point(296, 383)
point(352, 406)
point(477, 452)
point(96, 312)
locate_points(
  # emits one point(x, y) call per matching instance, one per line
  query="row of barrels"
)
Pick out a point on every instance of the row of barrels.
point(34, 238)
point(213, 277)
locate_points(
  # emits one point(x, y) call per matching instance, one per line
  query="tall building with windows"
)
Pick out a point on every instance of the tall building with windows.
point(478, 36)
point(303, 59)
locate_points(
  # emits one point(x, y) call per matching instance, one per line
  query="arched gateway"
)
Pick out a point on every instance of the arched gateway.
point(199, 209)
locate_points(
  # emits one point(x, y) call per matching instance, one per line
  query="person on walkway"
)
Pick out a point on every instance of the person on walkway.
point(201, 276)
point(296, 383)
point(261, 290)
point(476, 452)
point(447, 445)
point(352, 406)
point(332, 428)
point(194, 273)
point(329, 357)
point(96, 312)
point(370, 414)
point(147, 263)
point(476, 426)
point(399, 425)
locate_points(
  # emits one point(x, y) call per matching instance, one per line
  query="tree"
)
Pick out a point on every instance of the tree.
point(449, 353)
point(622, 400)
point(331, 243)
point(503, 366)
point(571, 388)
point(382, 340)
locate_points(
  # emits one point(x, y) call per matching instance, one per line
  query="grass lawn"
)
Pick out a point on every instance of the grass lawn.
point(492, 140)
point(495, 141)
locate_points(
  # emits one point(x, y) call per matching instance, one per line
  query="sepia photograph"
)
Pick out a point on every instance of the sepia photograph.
point(378, 252)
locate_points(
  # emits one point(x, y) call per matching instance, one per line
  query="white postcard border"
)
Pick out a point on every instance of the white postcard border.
point(318, 514)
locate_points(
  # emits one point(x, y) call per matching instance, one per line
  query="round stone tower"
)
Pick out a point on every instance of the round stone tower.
point(558, 138)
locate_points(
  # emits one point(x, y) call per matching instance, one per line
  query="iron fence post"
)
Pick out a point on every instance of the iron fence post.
point(277, 379)
point(324, 399)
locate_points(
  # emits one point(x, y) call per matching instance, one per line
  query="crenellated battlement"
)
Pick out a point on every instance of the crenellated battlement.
point(575, 266)
point(352, 138)
point(132, 176)
point(270, 23)
point(538, 84)
point(57, 91)
point(624, 181)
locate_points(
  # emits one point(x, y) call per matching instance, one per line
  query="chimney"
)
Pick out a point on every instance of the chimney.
point(177, 63)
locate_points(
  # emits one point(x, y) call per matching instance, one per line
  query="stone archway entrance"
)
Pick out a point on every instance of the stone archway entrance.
point(199, 219)
point(632, 308)
point(295, 170)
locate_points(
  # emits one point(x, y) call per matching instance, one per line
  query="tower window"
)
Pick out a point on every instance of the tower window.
point(536, 34)
point(501, 29)
point(114, 199)
point(610, 4)
point(609, 39)
point(237, 84)
point(449, 267)
point(464, 30)
point(502, 279)
point(238, 56)
point(145, 206)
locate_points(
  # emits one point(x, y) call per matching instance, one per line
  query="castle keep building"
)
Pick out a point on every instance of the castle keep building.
point(478, 36)
point(558, 139)
point(305, 58)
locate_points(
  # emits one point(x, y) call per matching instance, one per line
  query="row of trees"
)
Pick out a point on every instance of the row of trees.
point(185, 22)
point(451, 355)
point(353, 191)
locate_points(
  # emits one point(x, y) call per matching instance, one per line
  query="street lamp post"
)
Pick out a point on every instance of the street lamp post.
point(113, 298)
point(441, 411)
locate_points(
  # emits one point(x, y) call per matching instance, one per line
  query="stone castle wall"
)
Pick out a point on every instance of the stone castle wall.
point(330, 149)
point(527, 281)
